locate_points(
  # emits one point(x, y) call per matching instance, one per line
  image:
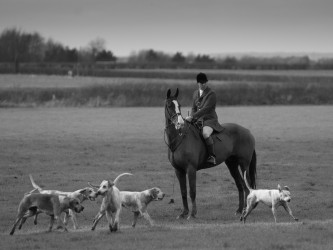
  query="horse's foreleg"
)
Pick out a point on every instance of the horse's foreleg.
point(181, 175)
point(232, 165)
point(192, 177)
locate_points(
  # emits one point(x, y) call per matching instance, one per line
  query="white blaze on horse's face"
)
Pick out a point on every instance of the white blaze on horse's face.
point(180, 120)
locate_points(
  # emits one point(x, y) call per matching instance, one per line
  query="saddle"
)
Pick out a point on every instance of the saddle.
point(218, 135)
point(199, 125)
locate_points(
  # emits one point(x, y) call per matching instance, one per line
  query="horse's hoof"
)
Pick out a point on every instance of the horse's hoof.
point(182, 216)
point(238, 212)
point(190, 217)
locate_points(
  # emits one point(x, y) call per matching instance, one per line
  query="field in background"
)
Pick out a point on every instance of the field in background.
point(168, 76)
point(65, 148)
point(148, 88)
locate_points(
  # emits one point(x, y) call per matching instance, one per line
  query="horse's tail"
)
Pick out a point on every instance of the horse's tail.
point(246, 183)
point(253, 170)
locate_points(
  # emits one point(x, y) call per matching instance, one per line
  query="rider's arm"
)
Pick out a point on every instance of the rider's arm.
point(194, 106)
point(208, 106)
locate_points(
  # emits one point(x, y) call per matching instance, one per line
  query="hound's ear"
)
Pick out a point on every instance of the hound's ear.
point(93, 186)
point(279, 187)
point(67, 198)
point(169, 93)
point(153, 193)
point(82, 190)
point(110, 183)
point(177, 92)
point(286, 188)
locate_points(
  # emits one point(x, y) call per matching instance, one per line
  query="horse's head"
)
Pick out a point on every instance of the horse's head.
point(172, 110)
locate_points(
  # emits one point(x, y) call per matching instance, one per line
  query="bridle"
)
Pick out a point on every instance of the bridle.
point(173, 121)
point(172, 117)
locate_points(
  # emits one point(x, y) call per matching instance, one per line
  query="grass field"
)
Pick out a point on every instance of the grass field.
point(64, 148)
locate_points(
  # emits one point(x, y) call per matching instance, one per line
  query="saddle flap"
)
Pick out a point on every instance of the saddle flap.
point(218, 135)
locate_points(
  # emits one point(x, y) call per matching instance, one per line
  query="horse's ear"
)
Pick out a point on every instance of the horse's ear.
point(177, 92)
point(168, 93)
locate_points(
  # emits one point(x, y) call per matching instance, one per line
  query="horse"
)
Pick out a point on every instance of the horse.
point(187, 153)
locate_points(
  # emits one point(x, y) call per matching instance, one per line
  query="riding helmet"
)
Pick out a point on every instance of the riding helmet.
point(202, 78)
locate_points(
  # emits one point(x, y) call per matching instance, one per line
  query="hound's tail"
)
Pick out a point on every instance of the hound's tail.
point(246, 183)
point(34, 184)
point(116, 180)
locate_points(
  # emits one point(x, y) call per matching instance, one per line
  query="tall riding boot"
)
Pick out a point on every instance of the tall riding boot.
point(211, 151)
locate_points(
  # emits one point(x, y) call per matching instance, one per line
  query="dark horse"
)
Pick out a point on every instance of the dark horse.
point(187, 153)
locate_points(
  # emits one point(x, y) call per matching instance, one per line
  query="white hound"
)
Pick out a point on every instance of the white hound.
point(271, 197)
point(138, 202)
point(81, 194)
point(51, 204)
point(111, 204)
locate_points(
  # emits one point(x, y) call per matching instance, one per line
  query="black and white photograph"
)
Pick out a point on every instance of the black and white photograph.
point(166, 124)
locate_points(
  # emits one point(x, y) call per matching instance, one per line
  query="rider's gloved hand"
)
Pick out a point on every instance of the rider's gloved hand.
point(189, 118)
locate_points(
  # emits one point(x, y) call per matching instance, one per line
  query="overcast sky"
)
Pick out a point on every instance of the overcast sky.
point(197, 26)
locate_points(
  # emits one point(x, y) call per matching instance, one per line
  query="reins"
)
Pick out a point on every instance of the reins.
point(180, 135)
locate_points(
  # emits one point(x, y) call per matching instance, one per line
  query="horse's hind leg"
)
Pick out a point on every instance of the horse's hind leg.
point(232, 164)
point(181, 175)
point(244, 166)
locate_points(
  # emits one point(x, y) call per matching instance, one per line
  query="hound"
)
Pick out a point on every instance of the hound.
point(81, 194)
point(51, 204)
point(111, 203)
point(272, 198)
point(138, 202)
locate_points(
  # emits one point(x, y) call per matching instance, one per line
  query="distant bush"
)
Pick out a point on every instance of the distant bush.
point(126, 95)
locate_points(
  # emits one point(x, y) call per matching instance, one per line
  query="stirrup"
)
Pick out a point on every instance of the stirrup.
point(211, 159)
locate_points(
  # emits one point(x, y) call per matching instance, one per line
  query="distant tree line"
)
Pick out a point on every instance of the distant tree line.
point(153, 59)
point(18, 47)
point(23, 48)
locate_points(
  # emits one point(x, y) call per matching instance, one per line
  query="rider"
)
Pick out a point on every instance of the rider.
point(203, 112)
